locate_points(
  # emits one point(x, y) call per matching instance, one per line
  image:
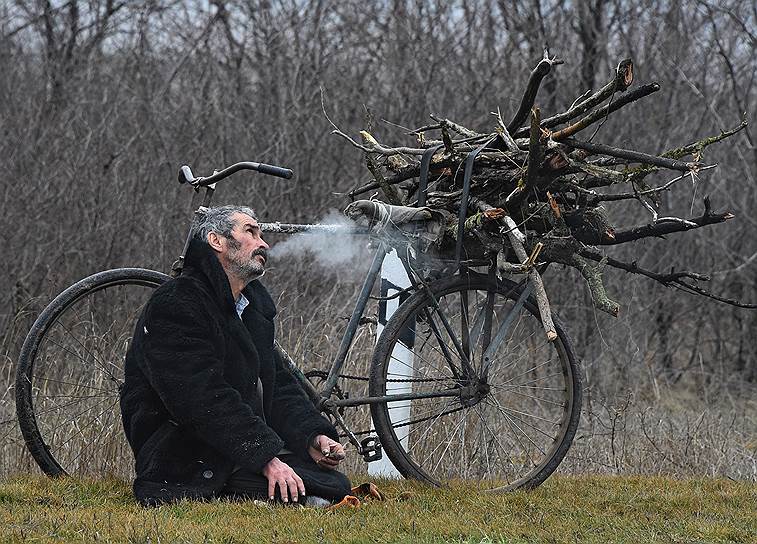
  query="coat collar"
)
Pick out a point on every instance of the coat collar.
point(202, 260)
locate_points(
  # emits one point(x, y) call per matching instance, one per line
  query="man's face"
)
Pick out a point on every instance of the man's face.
point(245, 252)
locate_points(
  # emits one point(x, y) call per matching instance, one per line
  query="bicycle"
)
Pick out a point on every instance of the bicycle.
point(462, 384)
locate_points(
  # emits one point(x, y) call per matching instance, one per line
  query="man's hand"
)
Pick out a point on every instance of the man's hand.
point(279, 473)
point(325, 452)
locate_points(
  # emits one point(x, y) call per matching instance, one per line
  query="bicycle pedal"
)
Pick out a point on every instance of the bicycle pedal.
point(371, 449)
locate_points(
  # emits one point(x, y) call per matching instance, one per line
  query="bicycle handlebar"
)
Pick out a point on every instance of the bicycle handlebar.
point(186, 176)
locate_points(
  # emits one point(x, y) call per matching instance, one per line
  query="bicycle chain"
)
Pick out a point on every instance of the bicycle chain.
point(363, 378)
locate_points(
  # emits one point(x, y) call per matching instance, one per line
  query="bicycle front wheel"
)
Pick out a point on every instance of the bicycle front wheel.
point(497, 403)
point(70, 370)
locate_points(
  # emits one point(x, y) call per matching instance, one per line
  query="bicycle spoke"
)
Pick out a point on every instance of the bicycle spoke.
point(525, 372)
point(57, 407)
point(484, 444)
point(448, 442)
point(494, 437)
point(513, 348)
point(406, 422)
point(77, 396)
point(506, 386)
point(534, 387)
point(450, 333)
point(42, 378)
point(414, 367)
point(79, 430)
point(526, 423)
point(540, 399)
point(512, 411)
point(442, 344)
point(108, 410)
point(66, 349)
point(445, 347)
point(416, 380)
point(499, 407)
point(102, 363)
point(425, 433)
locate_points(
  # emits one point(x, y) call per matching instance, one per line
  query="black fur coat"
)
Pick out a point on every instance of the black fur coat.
point(190, 404)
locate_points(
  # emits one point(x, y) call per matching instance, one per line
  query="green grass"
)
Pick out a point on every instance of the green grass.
point(565, 509)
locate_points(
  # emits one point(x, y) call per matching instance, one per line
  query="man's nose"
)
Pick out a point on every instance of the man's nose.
point(264, 244)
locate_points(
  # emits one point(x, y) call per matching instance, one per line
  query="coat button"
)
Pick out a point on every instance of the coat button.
point(207, 474)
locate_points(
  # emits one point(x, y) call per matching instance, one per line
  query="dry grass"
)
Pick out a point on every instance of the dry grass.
point(565, 509)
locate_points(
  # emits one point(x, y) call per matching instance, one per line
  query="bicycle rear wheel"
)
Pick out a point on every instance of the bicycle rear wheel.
point(70, 370)
point(505, 428)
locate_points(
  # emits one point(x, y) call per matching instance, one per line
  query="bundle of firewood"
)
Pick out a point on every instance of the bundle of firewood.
point(540, 190)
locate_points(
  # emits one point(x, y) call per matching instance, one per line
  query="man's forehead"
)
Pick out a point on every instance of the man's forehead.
point(242, 219)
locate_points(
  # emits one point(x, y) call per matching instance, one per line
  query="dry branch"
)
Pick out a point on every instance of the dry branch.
point(605, 111)
point(633, 156)
point(534, 81)
point(669, 225)
point(516, 241)
point(622, 80)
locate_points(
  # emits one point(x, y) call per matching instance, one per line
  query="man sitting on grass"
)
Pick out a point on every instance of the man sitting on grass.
point(208, 407)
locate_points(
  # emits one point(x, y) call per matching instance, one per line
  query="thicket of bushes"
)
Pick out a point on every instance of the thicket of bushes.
point(101, 102)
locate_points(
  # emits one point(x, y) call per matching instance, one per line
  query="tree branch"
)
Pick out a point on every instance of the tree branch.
point(673, 279)
point(534, 81)
point(634, 156)
point(668, 225)
point(460, 129)
point(596, 115)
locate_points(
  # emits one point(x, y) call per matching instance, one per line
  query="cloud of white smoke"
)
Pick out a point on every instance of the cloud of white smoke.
point(329, 248)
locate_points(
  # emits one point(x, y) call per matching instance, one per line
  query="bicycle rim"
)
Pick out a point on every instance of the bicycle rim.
point(507, 431)
point(70, 371)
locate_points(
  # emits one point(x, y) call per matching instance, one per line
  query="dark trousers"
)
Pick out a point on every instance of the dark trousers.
point(321, 482)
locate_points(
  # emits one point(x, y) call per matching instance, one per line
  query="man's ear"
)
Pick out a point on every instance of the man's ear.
point(215, 241)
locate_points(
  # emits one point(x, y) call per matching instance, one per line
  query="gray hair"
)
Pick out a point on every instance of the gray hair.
point(218, 220)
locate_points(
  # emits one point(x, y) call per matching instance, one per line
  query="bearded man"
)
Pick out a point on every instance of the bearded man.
point(207, 406)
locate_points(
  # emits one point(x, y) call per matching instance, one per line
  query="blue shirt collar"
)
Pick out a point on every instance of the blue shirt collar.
point(241, 304)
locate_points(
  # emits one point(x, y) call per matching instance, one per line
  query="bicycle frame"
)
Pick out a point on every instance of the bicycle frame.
point(323, 395)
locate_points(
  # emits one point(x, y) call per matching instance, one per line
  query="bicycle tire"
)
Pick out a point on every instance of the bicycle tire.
point(97, 312)
point(518, 412)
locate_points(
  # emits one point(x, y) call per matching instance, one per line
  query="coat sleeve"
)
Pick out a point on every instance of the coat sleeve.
point(296, 420)
point(182, 363)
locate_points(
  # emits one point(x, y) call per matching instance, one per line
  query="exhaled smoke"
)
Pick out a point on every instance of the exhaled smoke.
point(329, 248)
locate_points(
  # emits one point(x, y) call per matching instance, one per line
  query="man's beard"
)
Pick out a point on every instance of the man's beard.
point(246, 268)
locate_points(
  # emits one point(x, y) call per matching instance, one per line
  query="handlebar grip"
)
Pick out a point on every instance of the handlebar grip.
point(185, 175)
point(275, 171)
